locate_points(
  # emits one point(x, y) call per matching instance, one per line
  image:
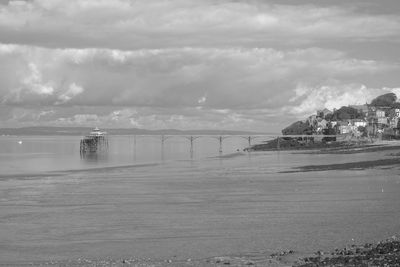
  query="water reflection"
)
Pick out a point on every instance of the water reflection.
point(92, 157)
point(162, 152)
point(52, 153)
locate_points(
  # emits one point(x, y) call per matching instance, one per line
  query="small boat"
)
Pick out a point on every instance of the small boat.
point(95, 141)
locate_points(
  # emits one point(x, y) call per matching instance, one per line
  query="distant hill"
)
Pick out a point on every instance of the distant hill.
point(122, 131)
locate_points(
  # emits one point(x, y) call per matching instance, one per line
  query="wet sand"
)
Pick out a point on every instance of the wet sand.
point(392, 159)
point(360, 165)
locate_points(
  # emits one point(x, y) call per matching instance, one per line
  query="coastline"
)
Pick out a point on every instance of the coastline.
point(358, 165)
point(317, 144)
point(382, 253)
point(392, 159)
point(337, 147)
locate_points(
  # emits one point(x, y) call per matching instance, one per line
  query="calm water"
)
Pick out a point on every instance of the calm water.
point(145, 201)
point(53, 153)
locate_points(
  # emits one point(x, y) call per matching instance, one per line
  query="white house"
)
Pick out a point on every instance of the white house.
point(380, 113)
point(357, 123)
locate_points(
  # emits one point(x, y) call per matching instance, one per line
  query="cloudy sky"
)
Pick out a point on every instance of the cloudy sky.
point(192, 64)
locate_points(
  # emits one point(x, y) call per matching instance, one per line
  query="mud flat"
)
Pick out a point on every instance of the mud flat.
point(360, 165)
point(354, 149)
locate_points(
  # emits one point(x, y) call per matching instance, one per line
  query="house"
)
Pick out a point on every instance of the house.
point(322, 113)
point(312, 120)
point(397, 112)
point(321, 125)
point(379, 113)
point(383, 121)
point(348, 129)
point(393, 122)
point(334, 123)
point(344, 129)
point(358, 122)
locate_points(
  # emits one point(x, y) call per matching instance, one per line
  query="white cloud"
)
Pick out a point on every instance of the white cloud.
point(72, 91)
point(189, 63)
point(331, 96)
point(33, 81)
point(193, 80)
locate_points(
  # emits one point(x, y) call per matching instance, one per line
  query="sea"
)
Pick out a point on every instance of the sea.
point(156, 200)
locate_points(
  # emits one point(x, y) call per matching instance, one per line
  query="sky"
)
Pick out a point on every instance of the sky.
point(255, 65)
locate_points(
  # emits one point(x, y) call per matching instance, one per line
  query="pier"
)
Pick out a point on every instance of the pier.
point(220, 138)
point(193, 138)
point(95, 142)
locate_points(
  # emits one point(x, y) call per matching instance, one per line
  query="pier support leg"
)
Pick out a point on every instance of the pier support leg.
point(134, 147)
point(249, 139)
point(278, 143)
point(220, 144)
point(191, 146)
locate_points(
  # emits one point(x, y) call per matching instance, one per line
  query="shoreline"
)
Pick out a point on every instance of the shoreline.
point(393, 159)
point(382, 253)
point(341, 148)
point(316, 144)
point(358, 165)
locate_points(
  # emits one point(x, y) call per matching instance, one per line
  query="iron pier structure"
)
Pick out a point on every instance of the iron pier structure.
point(220, 138)
point(95, 142)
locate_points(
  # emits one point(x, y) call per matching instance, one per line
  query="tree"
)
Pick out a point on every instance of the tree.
point(298, 128)
point(346, 113)
point(363, 130)
point(386, 100)
point(396, 105)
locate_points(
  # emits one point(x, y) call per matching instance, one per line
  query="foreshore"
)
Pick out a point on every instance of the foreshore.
point(383, 253)
point(337, 147)
point(318, 144)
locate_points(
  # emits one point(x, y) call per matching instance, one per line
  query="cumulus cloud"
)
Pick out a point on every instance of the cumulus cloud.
point(34, 82)
point(72, 91)
point(213, 78)
point(202, 79)
point(189, 64)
